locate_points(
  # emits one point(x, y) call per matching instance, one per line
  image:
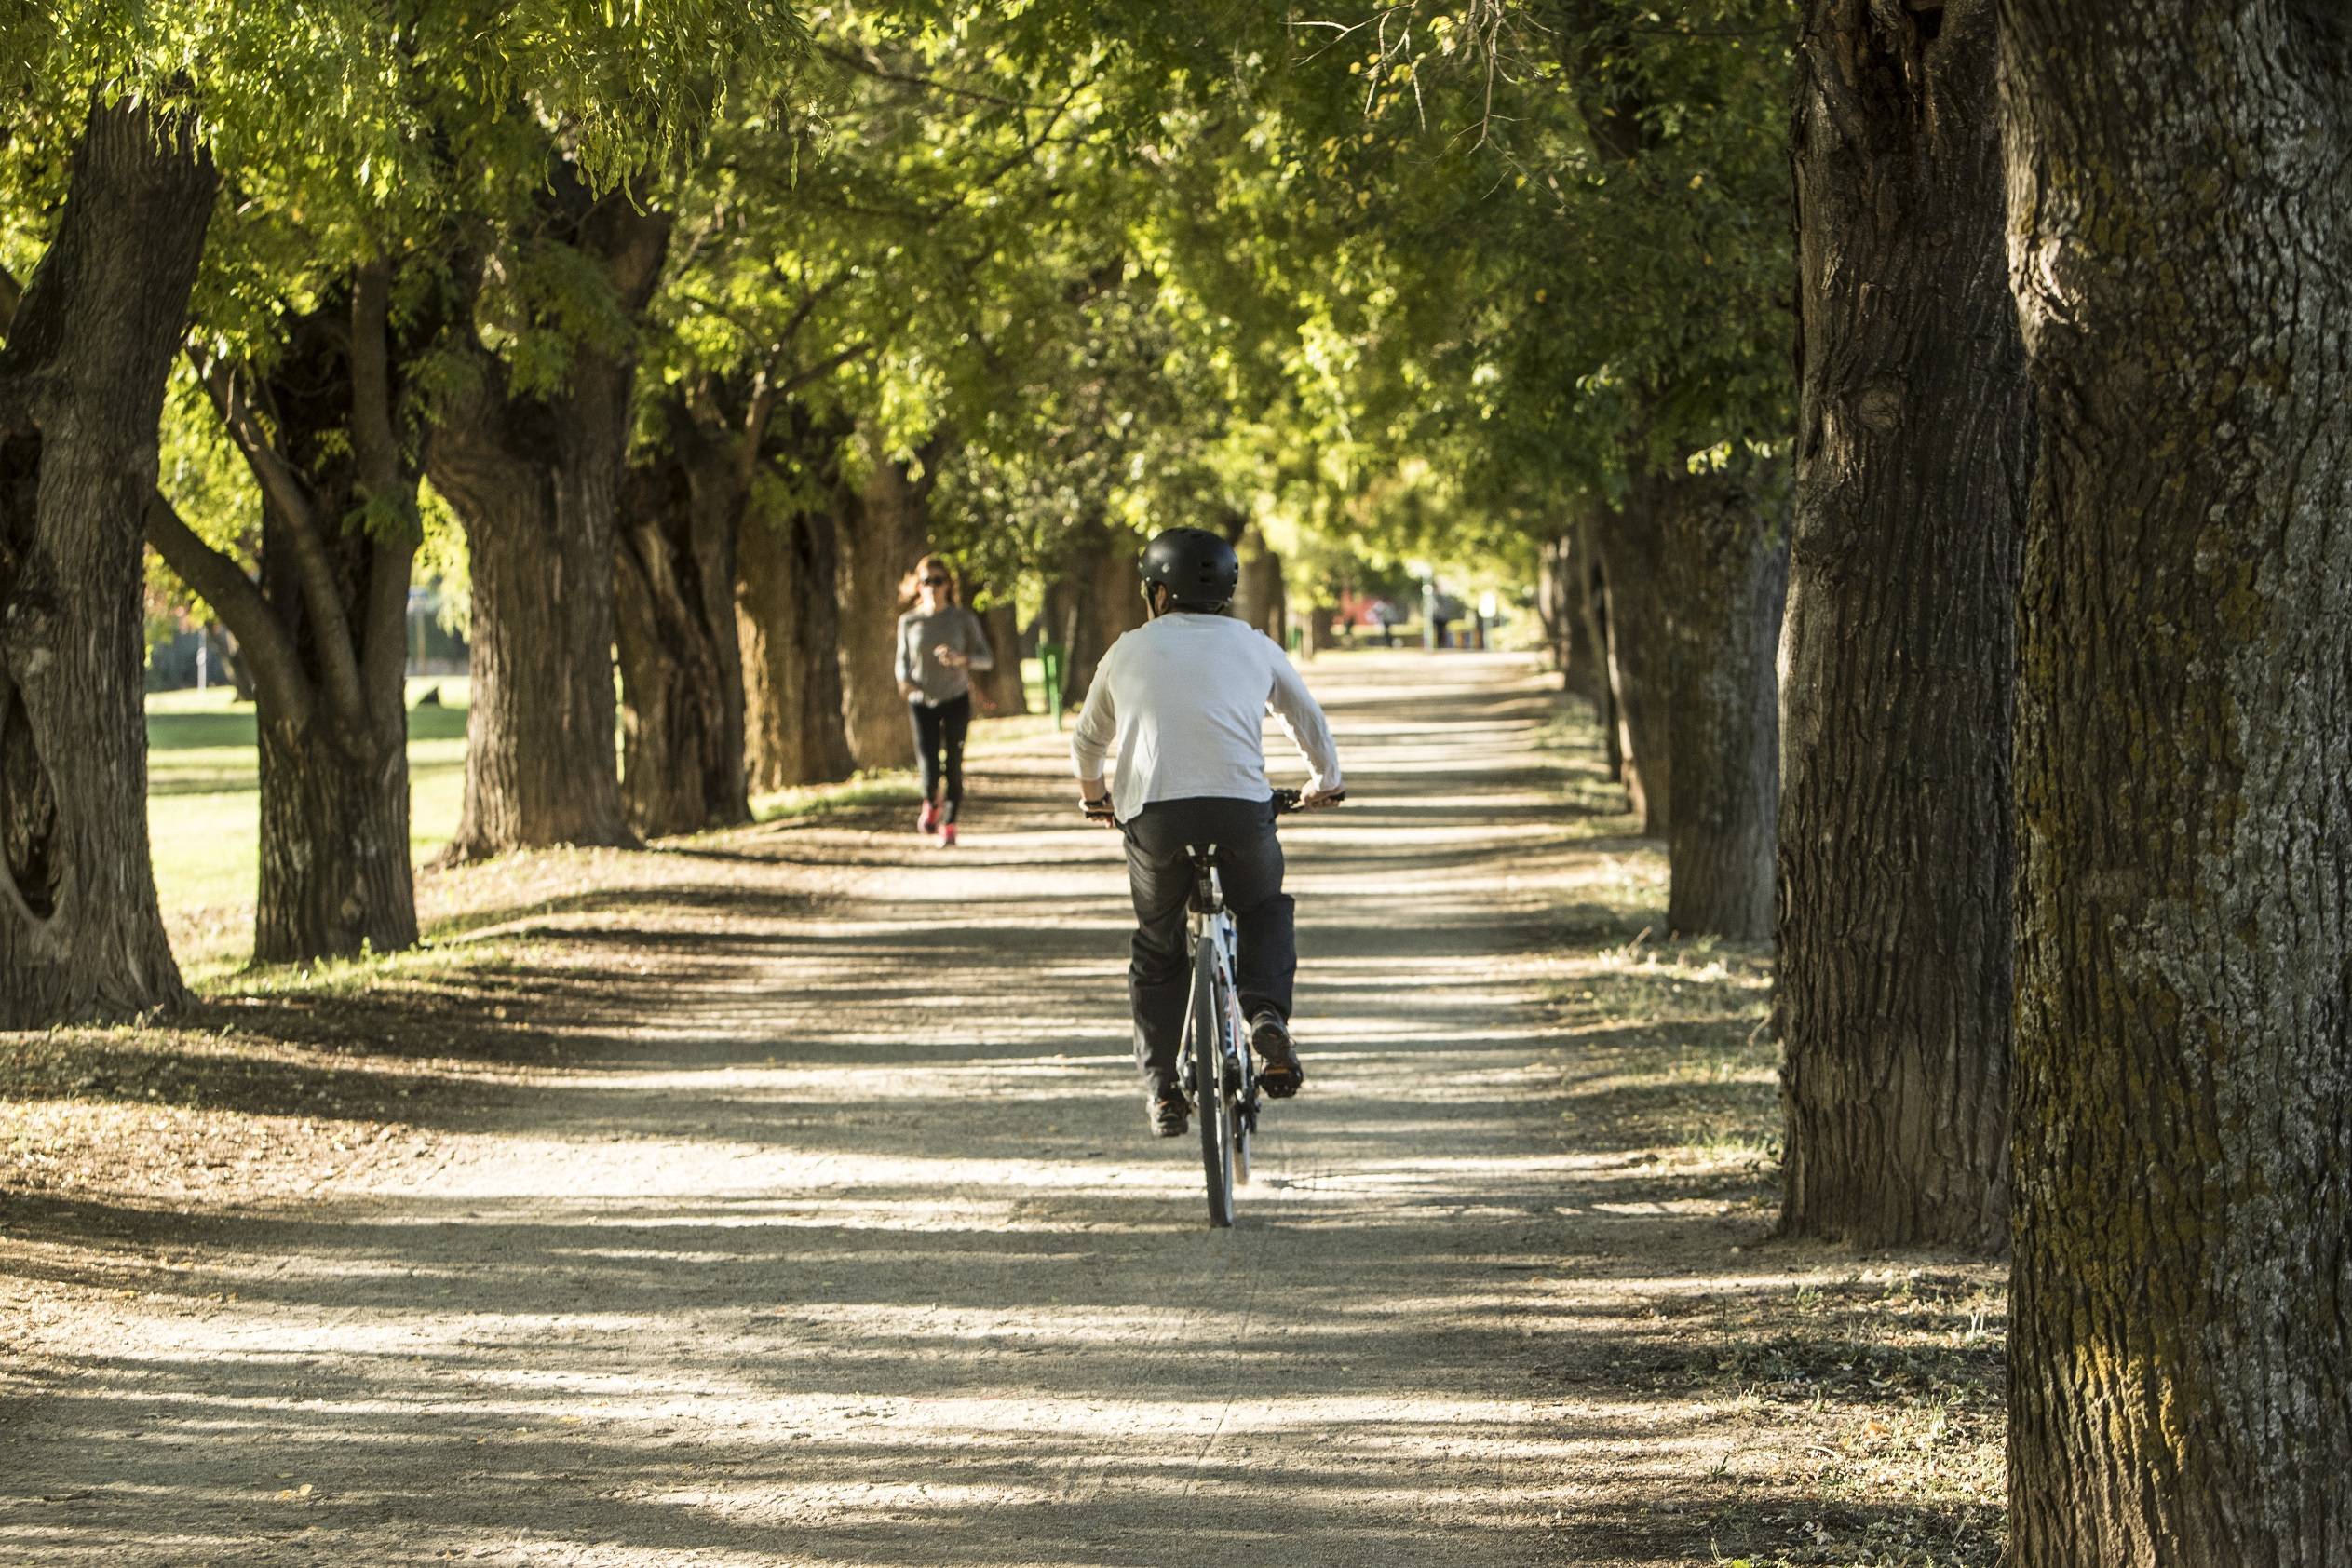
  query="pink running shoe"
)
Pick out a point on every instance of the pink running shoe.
point(928, 821)
point(947, 835)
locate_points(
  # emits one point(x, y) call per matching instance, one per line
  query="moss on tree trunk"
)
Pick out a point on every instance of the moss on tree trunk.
point(2180, 182)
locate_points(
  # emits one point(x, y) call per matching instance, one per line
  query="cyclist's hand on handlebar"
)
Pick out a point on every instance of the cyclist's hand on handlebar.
point(1099, 811)
point(1317, 799)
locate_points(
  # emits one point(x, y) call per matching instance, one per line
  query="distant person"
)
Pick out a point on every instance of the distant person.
point(939, 644)
point(1183, 698)
point(1444, 610)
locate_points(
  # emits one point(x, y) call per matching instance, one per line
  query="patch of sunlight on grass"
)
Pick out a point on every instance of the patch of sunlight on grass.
point(815, 800)
point(351, 977)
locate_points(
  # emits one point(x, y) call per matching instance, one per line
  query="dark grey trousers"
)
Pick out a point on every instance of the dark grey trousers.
point(1160, 876)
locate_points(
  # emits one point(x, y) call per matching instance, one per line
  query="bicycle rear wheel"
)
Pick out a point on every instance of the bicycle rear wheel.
point(1243, 1095)
point(1211, 1099)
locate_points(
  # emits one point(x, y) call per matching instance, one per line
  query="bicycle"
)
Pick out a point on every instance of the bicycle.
point(1221, 1079)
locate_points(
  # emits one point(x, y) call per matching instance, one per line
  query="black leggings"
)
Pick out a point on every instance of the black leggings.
point(938, 746)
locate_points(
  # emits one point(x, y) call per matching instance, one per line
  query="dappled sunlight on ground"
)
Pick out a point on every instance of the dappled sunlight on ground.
point(834, 1236)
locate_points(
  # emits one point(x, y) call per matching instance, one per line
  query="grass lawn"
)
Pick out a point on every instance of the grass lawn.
point(204, 806)
point(204, 809)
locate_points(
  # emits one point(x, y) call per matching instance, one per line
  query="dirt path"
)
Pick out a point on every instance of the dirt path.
point(857, 1253)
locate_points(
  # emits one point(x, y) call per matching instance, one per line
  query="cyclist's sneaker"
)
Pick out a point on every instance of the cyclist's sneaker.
point(1278, 1071)
point(927, 819)
point(1165, 1107)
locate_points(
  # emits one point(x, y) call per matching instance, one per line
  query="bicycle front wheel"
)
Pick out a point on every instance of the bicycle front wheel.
point(1211, 1099)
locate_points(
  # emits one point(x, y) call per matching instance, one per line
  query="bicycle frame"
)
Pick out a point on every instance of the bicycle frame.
point(1220, 1080)
point(1222, 1084)
point(1212, 923)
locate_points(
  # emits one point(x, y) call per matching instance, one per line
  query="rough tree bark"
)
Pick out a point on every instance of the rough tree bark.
point(1591, 602)
point(1725, 549)
point(1096, 600)
point(675, 558)
point(1315, 628)
point(1260, 599)
point(229, 658)
point(1893, 986)
point(1626, 541)
point(325, 629)
point(81, 393)
point(535, 481)
point(1696, 564)
point(788, 619)
point(2180, 184)
point(1552, 606)
point(1005, 695)
point(886, 530)
point(1571, 626)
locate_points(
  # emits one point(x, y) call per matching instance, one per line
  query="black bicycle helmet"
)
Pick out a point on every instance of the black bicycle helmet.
point(1197, 568)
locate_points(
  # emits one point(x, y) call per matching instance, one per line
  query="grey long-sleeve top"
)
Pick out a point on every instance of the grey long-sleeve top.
point(954, 627)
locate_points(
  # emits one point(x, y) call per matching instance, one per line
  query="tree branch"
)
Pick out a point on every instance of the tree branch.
point(238, 604)
point(753, 432)
point(383, 480)
point(868, 64)
point(300, 524)
point(824, 367)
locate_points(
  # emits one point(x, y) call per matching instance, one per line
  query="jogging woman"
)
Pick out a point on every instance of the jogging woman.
point(939, 644)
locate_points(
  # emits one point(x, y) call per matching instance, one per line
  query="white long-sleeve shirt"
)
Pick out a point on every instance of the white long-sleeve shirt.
point(1185, 697)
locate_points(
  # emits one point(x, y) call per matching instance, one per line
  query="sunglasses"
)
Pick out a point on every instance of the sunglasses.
point(934, 582)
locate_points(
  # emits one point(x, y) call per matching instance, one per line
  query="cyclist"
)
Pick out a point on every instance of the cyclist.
point(1184, 697)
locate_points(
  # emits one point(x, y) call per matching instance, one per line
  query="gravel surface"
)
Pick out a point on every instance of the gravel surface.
point(844, 1243)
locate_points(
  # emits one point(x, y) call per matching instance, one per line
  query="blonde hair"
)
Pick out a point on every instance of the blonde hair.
point(911, 586)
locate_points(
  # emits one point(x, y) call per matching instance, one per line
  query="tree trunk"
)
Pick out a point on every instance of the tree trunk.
point(1096, 601)
point(1726, 569)
point(1114, 604)
point(336, 874)
point(788, 619)
point(1592, 603)
point(233, 662)
point(885, 534)
point(540, 767)
point(1893, 988)
point(325, 629)
point(1008, 694)
point(2180, 1369)
point(1551, 604)
point(681, 666)
point(1260, 598)
point(1569, 627)
point(1315, 630)
point(535, 481)
point(1067, 611)
point(1627, 543)
point(81, 394)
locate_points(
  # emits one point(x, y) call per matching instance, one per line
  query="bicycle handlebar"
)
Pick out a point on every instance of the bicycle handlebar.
point(1285, 801)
